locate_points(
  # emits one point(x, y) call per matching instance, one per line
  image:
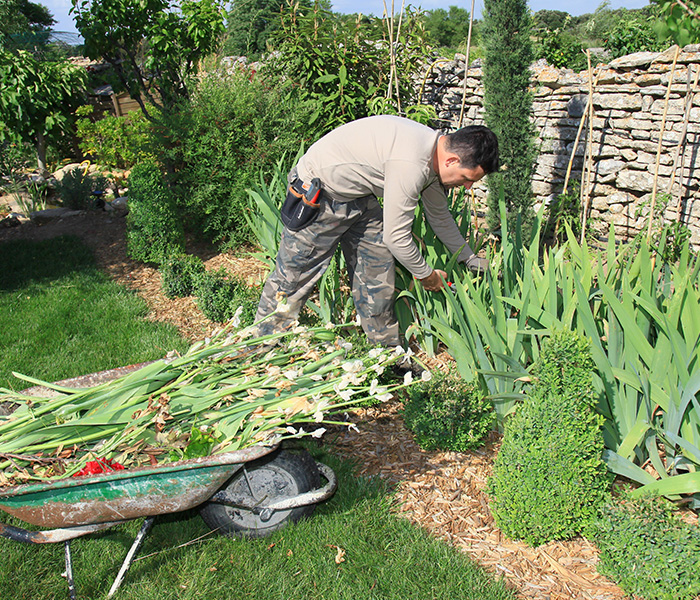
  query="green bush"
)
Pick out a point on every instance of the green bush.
point(221, 297)
point(179, 274)
point(115, 142)
point(154, 230)
point(549, 480)
point(560, 49)
point(648, 550)
point(76, 189)
point(448, 413)
point(235, 127)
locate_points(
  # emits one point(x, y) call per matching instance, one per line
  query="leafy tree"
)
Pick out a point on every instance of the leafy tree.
point(550, 20)
point(37, 99)
point(153, 46)
point(634, 33)
point(24, 25)
point(251, 23)
point(560, 48)
point(508, 107)
point(447, 28)
point(680, 21)
point(345, 70)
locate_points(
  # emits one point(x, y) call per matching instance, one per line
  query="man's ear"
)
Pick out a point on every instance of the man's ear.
point(451, 160)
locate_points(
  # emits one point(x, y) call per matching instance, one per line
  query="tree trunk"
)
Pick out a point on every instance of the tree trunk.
point(41, 154)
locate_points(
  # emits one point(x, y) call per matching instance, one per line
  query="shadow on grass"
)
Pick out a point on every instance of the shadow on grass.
point(25, 262)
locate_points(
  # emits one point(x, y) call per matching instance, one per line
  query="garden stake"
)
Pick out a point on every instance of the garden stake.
point(576, 141)
point(686, 119)
point(466, 67)
point(588, 163)
point(658, 152)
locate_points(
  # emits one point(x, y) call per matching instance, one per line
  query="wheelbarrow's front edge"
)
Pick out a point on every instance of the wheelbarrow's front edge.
point(128, 494)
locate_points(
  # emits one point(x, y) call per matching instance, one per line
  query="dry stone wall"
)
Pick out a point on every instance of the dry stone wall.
point(629, 104)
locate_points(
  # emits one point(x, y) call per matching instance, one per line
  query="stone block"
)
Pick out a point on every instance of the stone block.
point(640, 181)
point(617, 101)
point(606, 167)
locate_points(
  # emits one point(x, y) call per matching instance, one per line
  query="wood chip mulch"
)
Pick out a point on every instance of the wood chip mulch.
point(441, 491)
point(444, 492)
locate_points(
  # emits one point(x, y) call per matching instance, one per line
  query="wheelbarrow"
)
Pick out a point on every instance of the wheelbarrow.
point(246, 493)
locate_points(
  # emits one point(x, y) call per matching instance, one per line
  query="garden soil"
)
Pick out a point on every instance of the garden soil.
point(443, 492)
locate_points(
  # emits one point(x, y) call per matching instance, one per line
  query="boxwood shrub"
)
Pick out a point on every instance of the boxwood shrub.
point(447, 413)
point(648, 550)
point(549, 480)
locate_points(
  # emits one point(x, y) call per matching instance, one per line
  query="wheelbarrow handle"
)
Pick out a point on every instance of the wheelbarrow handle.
point(54, 535)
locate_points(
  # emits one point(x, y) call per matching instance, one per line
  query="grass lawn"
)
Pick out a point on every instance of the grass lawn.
point(61, 317)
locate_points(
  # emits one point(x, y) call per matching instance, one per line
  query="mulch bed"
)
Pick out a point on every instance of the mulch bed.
point(443, 492)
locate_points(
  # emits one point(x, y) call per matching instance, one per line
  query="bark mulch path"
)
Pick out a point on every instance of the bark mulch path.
point(441, 491)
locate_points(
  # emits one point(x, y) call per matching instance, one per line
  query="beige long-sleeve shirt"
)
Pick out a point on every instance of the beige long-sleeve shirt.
point(390, 157)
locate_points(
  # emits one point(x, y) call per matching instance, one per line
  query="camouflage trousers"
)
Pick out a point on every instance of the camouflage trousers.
point(357, 225)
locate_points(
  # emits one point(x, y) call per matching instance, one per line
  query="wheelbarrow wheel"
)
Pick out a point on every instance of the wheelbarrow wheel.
point(280, 475)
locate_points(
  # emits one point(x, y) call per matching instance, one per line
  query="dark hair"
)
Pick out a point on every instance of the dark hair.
point(476, 146)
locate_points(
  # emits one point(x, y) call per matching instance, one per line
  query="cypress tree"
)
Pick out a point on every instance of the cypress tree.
point(508, 106)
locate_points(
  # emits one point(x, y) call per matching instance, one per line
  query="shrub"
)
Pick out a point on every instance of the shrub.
point(77, 187)
point(221, 297)
point(154, 230)
point(648, 550)
point(549, 480)
point(447, 413)
point(235, 128)
point(179, 274)
point(116, 142)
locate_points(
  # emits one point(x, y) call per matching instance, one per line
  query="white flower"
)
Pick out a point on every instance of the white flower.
point(384, 397)
point(409, 353)
point(347, 346)
point(318, 432)
point(353, 366)
point(398, 351)
point(236, 319)
point(373, 387)
point(282, 308)
point(316, 377)
point(353, 427)
point(378, 369)
point(344, 394)
point(318, 416)
point(375, 352)
point(329, 326)
point(291, 430)
point(426, 376)
point(408, 378)
point(300, 330)
point(292, 374)
point(358, 321)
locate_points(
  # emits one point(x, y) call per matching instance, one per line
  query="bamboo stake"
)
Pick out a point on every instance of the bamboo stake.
point(586, 188)
point(576, 141)
point(658, 149)
point(466, 67)
point(686, 120)
point(396, 73)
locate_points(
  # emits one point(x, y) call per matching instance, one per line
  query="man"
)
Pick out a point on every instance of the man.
point(402, 162)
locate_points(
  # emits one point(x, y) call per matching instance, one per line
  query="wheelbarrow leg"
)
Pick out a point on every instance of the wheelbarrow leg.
point(69, 572)
point(130, 556)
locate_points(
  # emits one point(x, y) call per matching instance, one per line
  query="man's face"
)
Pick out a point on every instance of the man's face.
point(453, 175)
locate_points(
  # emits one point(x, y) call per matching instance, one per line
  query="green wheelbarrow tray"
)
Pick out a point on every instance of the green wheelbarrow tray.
point(128, 494)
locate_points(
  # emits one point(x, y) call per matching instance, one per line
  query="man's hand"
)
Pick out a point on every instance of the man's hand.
point(432, 282)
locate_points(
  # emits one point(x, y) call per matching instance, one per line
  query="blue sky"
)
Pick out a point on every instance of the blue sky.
point(60, 8)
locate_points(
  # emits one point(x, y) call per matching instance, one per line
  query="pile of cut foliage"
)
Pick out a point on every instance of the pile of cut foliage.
point(225, 393)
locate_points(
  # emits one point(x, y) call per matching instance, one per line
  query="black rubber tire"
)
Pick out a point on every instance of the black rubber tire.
point(281, 474)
